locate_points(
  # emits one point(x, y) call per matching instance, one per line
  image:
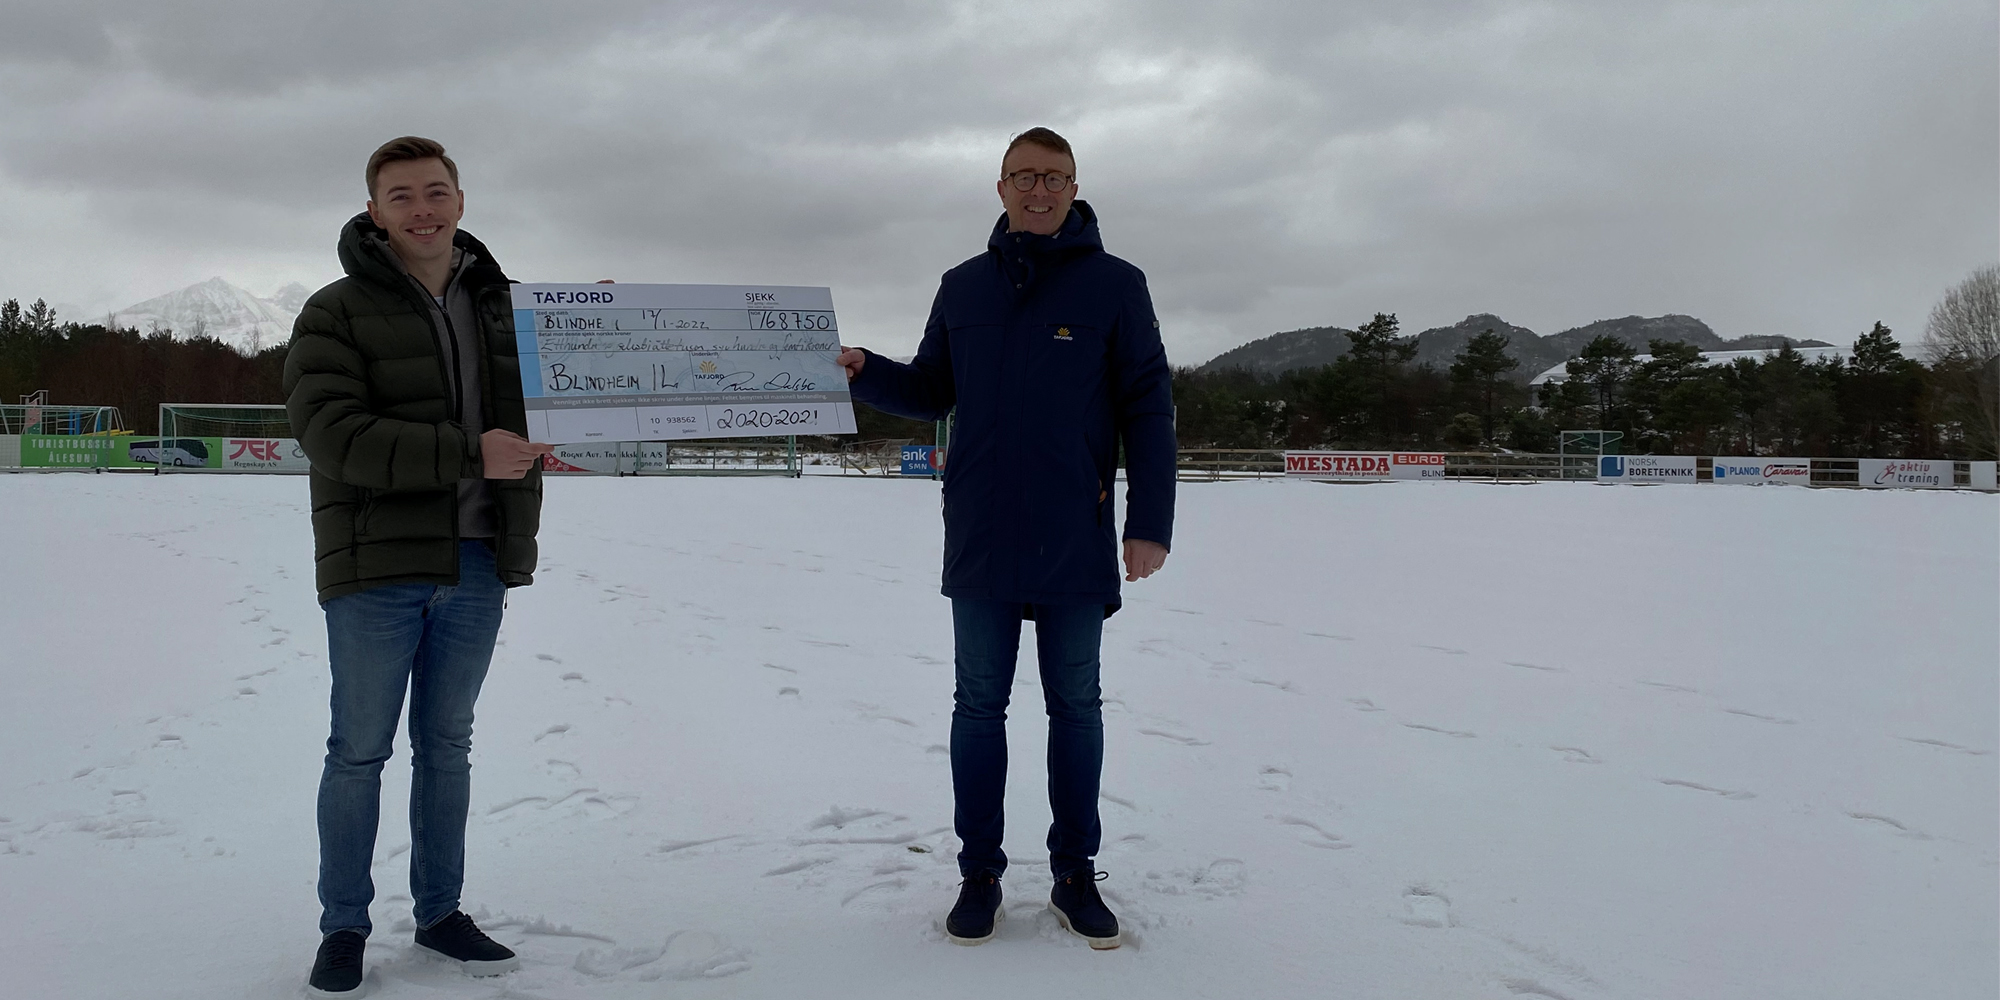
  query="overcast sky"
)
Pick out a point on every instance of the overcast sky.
point(1798, 168)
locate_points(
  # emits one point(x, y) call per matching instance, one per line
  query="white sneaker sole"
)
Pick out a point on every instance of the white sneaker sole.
point(999, 914)
point(354, 994)
point(1096, 944)
point(476, 969)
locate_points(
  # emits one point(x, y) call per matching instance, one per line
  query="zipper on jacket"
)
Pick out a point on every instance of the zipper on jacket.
point(489, 412)
point(457, 383)
point(453, 383)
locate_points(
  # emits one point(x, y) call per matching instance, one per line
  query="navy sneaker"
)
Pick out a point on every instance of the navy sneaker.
point(457, 938)
point(337, 968)
point(1082, 911)
point(978, 909)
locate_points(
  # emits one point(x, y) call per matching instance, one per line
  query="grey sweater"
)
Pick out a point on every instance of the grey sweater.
point(458, 324)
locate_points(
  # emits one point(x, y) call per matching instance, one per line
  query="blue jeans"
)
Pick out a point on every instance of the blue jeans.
point(437, 642)
point(988, 639)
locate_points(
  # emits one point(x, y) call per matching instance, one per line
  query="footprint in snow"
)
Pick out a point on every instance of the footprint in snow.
point(1313, 835)
point(1274, 779)
point(1536, 666)
point(872, 713)
point(1286, 686)
point(1331, 635)
point(1186, 741)
point(1453, 733)
point(1891, 823)
point(800, 865)
point(1219, 878)
point(1677, 688)
point(677, 846)
point(1117, 800)
point(1577, 755)
point(1427, 907)
point(1531, 988)
point(1442, 649)
point(686, 955)
point(1724, 792)
point(548, 658)
point(839, 818)
point(556, 730)
point(1942, 745)
point(886, 887)
point(1364, 704)
point(1772, 719)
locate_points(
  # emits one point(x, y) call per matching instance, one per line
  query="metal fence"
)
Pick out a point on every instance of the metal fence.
point(1216, 464)
point(1210, 464)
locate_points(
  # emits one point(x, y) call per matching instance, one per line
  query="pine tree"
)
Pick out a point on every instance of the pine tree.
point(1605, 365)
point(1479, 374)
point(1364, 379)
point(1878, 395)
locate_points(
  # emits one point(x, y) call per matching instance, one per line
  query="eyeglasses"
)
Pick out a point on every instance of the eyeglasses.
point(1024, 180)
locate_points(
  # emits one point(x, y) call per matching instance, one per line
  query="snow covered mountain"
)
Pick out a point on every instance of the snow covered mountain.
point(221, 310)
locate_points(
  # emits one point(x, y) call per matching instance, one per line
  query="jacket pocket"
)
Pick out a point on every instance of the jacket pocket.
point(364, 509)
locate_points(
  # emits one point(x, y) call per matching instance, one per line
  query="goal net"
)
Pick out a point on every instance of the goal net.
point(221, 437)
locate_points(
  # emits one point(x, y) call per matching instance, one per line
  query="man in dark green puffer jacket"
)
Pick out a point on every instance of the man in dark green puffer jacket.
point(404, 389)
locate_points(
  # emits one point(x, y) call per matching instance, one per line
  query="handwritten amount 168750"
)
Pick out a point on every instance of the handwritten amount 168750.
point(782, 319)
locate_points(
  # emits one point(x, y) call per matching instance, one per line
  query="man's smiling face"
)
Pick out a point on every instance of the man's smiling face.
point(419, 205)
point(1036, 210)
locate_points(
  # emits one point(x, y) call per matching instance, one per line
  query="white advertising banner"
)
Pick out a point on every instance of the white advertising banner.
point(590, 459)
point(264, 455)
point(1364, 465)
point(1985, 475)
point(1646, 469)
point(1750, 471)
point(1916, 473)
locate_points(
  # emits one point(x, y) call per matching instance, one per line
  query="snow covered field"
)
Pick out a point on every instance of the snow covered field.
point(1412, 740)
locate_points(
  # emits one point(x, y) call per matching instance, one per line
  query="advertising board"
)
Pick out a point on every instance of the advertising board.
point(1750, 471)
point(1364, 465)
point(917, 460)
point(589, 459)
point(1646, 469)
point(261, 455)
point(1908, 473)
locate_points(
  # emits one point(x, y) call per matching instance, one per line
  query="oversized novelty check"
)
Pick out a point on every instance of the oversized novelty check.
point(664, 362)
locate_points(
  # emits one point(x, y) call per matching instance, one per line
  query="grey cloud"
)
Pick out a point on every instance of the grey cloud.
point(1772, 167)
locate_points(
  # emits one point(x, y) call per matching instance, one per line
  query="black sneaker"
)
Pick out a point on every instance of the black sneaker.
point(978, 909)
point(1082, 911)
point(337, 968)
point(459, 939)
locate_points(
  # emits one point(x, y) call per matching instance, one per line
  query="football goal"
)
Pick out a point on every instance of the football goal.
point(221, 437)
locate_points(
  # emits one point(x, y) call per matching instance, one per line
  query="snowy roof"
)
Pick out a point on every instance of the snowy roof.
point(1560, 373)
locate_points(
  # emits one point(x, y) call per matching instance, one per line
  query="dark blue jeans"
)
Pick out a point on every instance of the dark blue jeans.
point(988, 639)
point(436, 642)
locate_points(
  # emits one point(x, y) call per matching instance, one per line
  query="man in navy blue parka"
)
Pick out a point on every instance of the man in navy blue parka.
point(1048, 349)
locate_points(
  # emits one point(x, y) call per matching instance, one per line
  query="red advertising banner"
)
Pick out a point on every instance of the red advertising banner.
point(1364, 465)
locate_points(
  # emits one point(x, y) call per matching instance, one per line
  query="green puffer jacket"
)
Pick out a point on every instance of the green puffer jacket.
point(372, 405)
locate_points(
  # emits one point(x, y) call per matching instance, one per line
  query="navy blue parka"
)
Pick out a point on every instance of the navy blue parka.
point(1049, 349)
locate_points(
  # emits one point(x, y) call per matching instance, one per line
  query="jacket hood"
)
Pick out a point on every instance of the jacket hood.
point(1077, 235)
point(365, 253)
